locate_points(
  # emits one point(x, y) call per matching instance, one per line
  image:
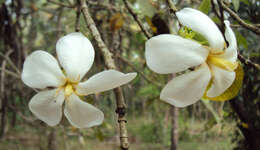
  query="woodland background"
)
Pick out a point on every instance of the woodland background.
point(28, 25)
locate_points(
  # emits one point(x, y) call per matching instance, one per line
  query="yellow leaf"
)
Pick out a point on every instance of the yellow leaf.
point(149, 22)
point(232, 91)
point(244, 125)
point(116, 22)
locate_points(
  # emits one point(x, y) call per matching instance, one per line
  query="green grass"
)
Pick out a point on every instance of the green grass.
point(144, 134)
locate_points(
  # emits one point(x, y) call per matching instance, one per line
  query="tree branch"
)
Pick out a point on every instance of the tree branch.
point(60, 4)
point(172, 7)
point(248, 62)
point(250, 27)
point(128, 7)
point(109, 61)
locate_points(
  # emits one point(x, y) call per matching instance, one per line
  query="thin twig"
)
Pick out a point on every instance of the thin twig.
point(10, 62)
point(239, 26)
point(103, 5)
point(128, 7)
point(214, 8)
point(10, 73)
point(77, 21)
point(139, 72)
point(250, 27)
point(61, 4)
point(109, 61)
point(172, 7)
point(248, 62)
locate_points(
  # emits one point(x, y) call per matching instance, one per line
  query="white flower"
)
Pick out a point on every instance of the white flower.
point(173, 54)
point(76, 56)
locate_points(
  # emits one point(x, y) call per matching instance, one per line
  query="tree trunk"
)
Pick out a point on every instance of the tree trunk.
point(52, 145)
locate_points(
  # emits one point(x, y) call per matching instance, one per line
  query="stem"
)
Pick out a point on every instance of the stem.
point(250, 27)
point(110, 63)
point(128, 7)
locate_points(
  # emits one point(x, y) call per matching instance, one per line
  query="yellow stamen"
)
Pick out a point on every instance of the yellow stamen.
point(68, 90)
point(222, 63)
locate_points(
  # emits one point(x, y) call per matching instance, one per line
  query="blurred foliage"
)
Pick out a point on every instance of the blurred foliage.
point(26, 26)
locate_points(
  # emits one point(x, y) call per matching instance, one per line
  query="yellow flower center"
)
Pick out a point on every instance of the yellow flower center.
point(215, 59)
point(68, 87)
point(68, 90)
point(222, 63)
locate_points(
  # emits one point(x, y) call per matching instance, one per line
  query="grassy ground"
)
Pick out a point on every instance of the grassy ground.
point(144, 135)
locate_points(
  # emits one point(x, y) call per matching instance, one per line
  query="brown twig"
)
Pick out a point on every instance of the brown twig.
point(77, 21)
point(172, 7)
point(128, 7)
point(239, 26)
point(248, 62)
point(10, 73)
point(61, 4)
point(10, 62)
point(250, 27)
point(139, 72)
point(109, 61)
point(3, 97)
point(214, 8)
point(102, 5)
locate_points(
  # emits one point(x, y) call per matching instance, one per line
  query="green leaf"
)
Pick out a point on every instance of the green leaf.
point(236, 4)
point(241, 40)
point(205, 6)
point(245, 2)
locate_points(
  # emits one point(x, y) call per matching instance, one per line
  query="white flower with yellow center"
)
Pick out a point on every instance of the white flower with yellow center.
point(213, 64)
point(76, 55)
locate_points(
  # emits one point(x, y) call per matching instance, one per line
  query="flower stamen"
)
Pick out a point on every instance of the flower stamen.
point(222, 63)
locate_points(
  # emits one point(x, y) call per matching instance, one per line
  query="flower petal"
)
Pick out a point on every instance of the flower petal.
point(76, 55)
point(104, 81)
point(47, 106)
point(222, 80)
point(81, 114)
point(188, 88)
point(231, 52)
point(202, 24)
point(168, 53)
point(41, 70)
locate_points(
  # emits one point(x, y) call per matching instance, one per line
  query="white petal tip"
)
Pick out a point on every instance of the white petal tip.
point(174, 102)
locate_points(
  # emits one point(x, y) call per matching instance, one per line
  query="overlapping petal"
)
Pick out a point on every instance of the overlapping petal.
point(47, 106)
point(221, 81)
point(202, 24)
point(171, 54)
point(104, 81)
point(81, 114)
point(41, 70)
point(230, 52)
point(187, 88)
point(76, 55)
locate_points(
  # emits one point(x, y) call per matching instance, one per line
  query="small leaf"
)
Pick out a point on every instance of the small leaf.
point(205, 6)
point(99, 134)
point(236, 4)
point(241, 40)
point(116, 22)
point(233, 90)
